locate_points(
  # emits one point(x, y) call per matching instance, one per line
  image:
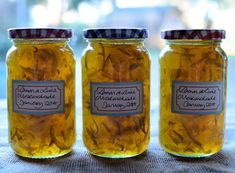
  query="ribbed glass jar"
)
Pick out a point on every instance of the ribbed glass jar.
point(193, 70)
point(116, 92)
point(41, 92)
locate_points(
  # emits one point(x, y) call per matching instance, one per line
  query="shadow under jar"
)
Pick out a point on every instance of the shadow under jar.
point(193, 70)
point(116, 92)
point(41, 92)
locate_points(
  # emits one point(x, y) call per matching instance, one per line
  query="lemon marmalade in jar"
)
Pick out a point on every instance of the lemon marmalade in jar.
point(193, 70)
point(41, 92)
point(116, 92)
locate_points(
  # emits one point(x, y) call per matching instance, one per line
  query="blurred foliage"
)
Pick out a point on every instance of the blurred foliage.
point(223, 3)
point(32, 2)
point(73, 4)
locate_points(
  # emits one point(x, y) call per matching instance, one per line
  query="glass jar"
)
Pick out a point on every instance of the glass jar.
point(193, 70)
point(116, 92)
point(41, 92)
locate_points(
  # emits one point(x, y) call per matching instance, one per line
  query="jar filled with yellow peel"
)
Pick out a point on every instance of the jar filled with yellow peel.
point(116, 92)
point(41, 92)
point(193, 70)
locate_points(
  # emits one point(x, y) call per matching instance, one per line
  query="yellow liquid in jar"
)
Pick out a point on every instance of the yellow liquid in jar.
point(43, 136)
point(115, 136)
point(184, 134)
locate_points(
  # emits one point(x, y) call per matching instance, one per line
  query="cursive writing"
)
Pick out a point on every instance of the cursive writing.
point(197, 98)
point(37, 97)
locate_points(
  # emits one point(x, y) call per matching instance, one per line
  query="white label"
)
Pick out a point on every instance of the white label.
point(124, 98)
point(38, 97)
point(197, 97)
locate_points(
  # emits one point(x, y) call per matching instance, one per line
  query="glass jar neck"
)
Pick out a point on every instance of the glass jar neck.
point(40, 41)
point(137, 42)
point(193, 42)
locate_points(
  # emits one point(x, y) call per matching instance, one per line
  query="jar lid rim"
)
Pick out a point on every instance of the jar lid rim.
point(193, 34)
point(115, 33)
point(39, 33)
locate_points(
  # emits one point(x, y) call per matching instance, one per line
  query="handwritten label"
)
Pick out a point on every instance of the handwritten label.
point(197, 97)
point(38, 97)
point(124, 98)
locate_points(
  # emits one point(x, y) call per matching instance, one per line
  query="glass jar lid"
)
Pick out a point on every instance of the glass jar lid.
point(115, 33)
point(39, 33)
point(193, 34)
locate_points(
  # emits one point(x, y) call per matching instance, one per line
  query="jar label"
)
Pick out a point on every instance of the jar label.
point(197, 97)
point(38, 97)
point(124, 98)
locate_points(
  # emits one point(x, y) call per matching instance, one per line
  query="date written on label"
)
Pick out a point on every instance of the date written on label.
point(38, 98)
point(197, 97)
point(124, 98)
